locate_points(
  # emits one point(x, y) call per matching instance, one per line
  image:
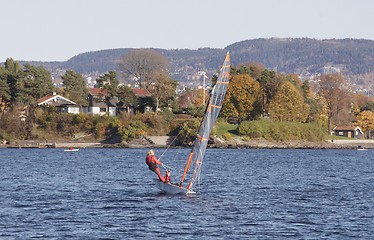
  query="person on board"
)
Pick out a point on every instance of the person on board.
point(152, 163)
point(167, 176)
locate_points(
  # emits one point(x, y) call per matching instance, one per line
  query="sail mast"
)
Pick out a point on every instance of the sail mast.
point(210, 116)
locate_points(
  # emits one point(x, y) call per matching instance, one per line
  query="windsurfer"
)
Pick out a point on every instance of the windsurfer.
point(152, 163)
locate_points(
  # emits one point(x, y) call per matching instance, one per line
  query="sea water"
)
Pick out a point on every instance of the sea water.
point(241, 194)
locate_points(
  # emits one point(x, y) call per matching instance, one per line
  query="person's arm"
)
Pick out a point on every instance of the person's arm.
point(156, 161)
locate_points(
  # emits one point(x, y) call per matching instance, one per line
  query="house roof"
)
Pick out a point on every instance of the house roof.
point(141, 92)
point(53, 99)
point(98, 91)
point(347, 128)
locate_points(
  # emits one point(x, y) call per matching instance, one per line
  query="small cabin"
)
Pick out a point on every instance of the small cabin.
point(348, 131)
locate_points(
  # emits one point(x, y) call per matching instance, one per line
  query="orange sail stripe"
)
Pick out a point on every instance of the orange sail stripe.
point(187, 168)
point(222, 82)
point(201, 138)
point(215, 106)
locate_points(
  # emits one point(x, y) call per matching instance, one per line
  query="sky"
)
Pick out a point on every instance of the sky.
point(56, 30)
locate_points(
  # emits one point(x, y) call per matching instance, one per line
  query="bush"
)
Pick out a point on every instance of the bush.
point(281, 131)
point(132, 131)
point(254, 129)
point(187, 131)
point(227, 136)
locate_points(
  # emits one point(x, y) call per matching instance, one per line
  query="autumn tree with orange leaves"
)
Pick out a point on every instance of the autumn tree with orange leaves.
point(288, 105)
point(365, 120)
point(241, 98)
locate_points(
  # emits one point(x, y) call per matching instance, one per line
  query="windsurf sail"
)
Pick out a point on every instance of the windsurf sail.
point(212, 110)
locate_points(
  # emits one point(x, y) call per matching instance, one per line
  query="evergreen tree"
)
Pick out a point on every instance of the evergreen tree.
point(5, 96)
point(108, 81)
point(270, 83)
point(14, 73)
point(126, 97)
point(75, 87)
point(35, 83)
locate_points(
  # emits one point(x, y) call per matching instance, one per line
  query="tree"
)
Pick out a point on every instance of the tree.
point(191, 98)
point(370, 106)
point(143, 65)
point(270, 82)
point(253, 69)
point(360, 102)
point(26, 87)
point(75, 87)
point(288, 105)
point(108, 81)
point(163, 89)
point(307, 91)
point(35, 83)
point(14, 72)
point(365, 120)
point(5, 96)
point(242, 94)
point(126, 97)
point(336, 98)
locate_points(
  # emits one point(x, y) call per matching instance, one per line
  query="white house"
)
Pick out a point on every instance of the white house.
point(60, 103)
point(97, 103)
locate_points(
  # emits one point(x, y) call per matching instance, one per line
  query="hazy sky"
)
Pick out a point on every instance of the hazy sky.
point(56, 30)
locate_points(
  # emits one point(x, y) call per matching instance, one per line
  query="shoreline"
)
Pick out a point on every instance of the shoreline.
point(234, 144)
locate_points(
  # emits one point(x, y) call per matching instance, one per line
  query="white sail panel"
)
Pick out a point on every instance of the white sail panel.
point(211, 113)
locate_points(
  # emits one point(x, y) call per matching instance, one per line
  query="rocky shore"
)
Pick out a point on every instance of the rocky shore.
point(165, 141)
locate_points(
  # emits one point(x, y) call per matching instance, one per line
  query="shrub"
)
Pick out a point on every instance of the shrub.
point(227, 136)
point(281, 131)
point(132, 131)
point(187, 131)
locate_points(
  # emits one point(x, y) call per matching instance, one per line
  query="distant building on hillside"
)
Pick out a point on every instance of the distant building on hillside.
point(330, 70)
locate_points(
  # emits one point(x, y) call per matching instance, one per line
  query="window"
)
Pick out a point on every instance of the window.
point(102, 109)
point(341, 133)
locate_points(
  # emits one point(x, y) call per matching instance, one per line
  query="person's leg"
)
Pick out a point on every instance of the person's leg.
point(158, 172)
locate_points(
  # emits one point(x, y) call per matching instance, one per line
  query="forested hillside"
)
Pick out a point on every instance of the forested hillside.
point(287, 55)
point(298, 55)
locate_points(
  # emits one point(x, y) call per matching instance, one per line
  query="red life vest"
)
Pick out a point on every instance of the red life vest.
point(148, 159)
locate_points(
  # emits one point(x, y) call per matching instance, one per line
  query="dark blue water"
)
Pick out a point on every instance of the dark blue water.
point(244, 194)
